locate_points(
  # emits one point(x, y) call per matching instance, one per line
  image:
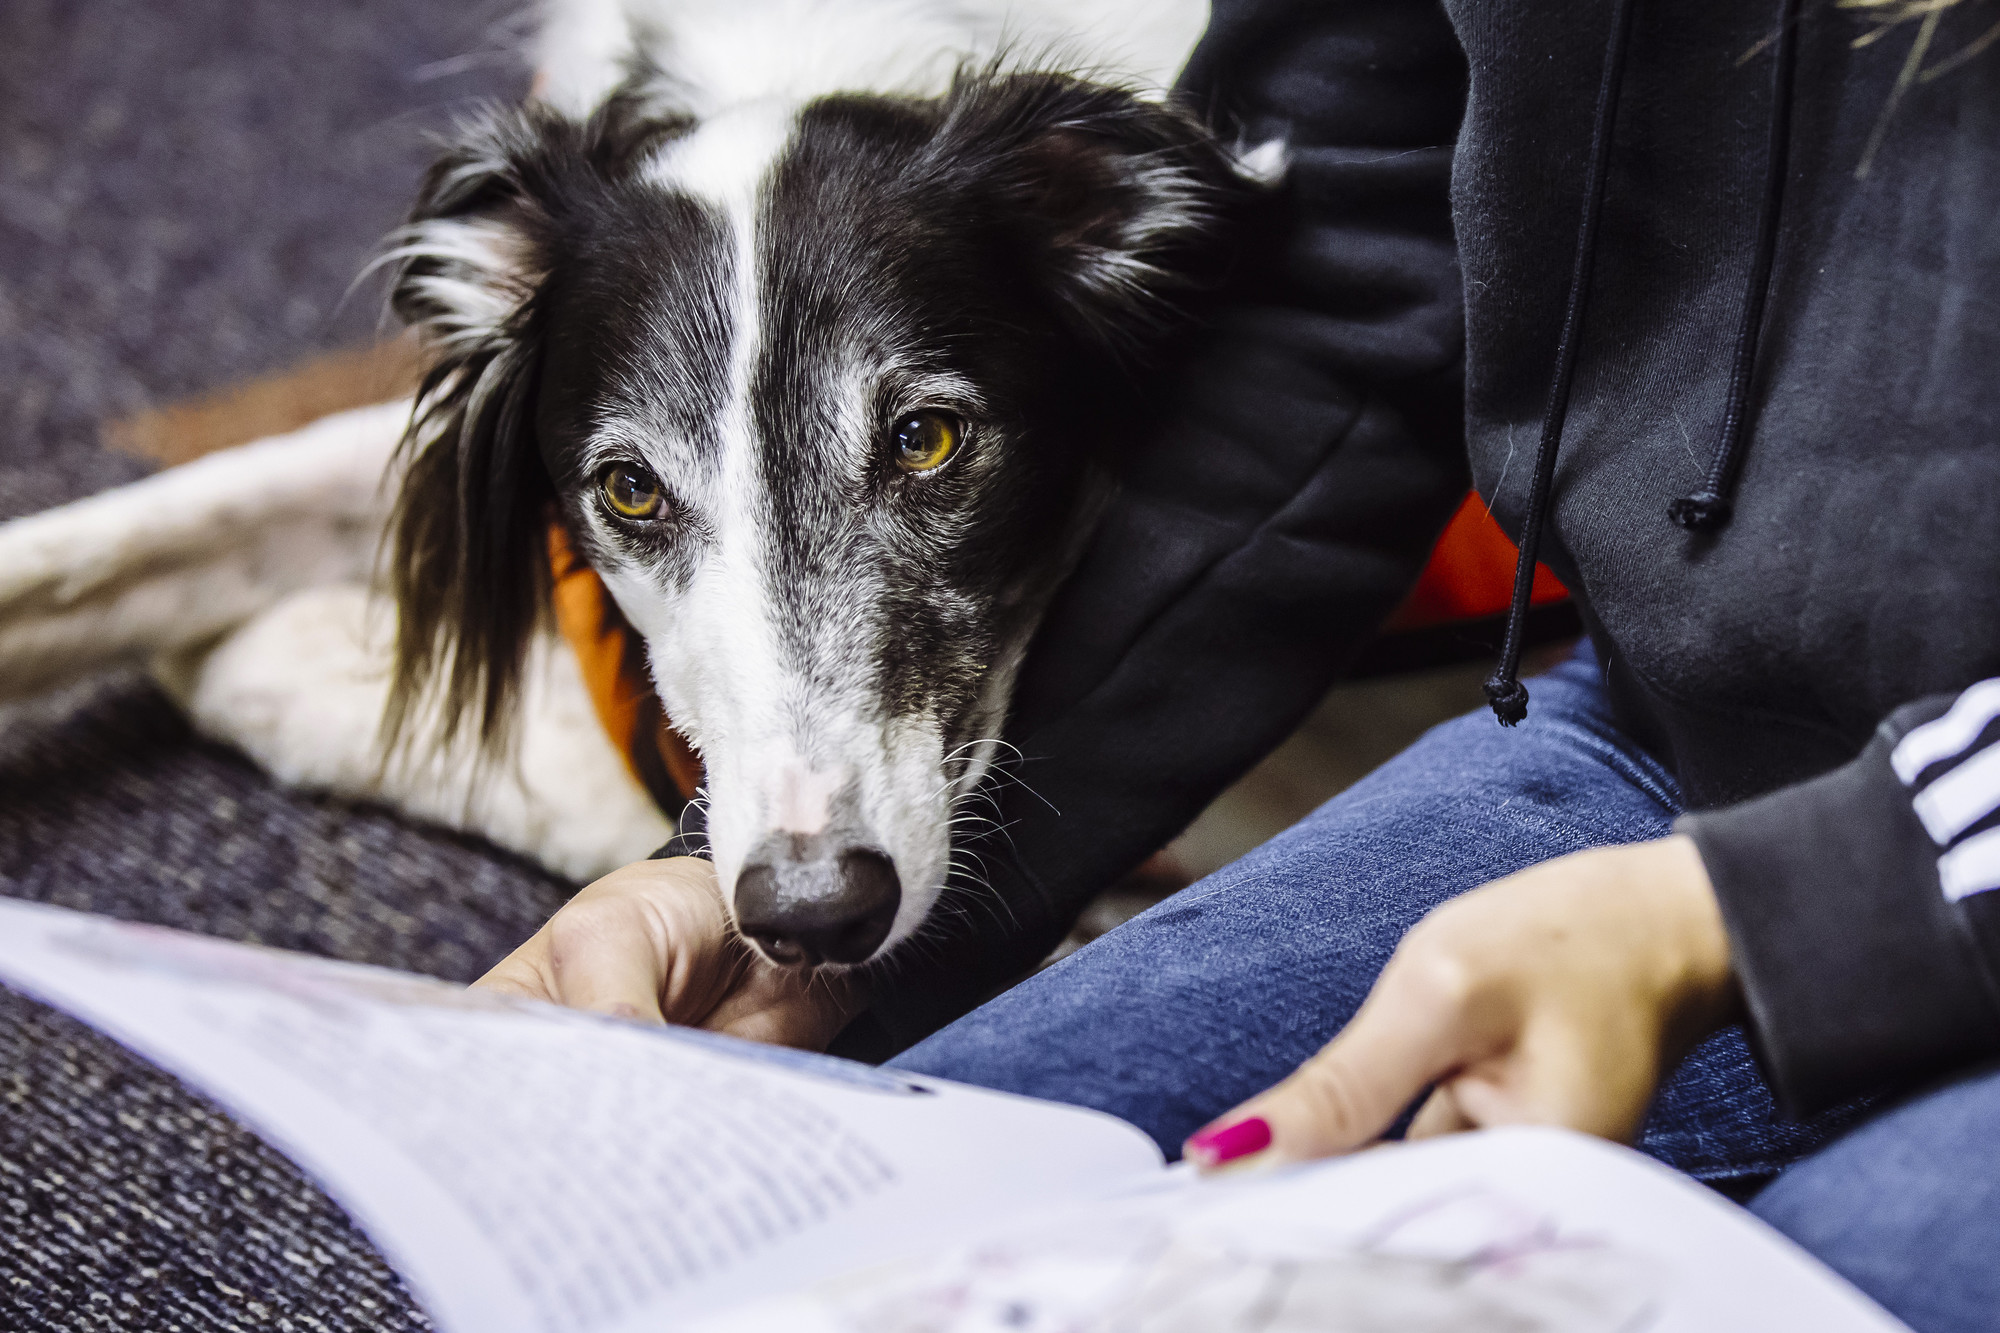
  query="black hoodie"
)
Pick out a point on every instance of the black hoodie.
point(1778, 297)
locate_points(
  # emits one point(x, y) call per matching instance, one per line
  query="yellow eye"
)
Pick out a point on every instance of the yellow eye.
point(924, 440)
point(632, 492)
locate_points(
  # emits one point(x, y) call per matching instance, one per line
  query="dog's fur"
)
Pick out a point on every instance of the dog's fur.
point(729, 247)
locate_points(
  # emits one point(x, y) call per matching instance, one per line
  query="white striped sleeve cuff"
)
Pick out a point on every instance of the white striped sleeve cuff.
point(1862, 909)
point(1952, 767)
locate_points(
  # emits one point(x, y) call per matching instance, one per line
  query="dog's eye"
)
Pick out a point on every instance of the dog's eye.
point(632, 492)
point(924, 440)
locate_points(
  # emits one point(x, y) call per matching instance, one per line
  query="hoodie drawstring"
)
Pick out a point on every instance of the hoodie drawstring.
point(1710, 507)
point(1504, 690)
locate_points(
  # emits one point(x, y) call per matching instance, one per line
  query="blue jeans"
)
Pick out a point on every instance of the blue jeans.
point(1907, 1207)
point(1223, 989)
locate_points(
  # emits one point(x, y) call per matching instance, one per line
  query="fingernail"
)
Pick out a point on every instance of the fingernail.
point(1226, 1143)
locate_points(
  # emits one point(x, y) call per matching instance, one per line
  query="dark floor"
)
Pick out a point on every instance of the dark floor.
point(187, 189)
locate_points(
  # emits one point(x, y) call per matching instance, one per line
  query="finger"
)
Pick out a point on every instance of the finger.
point(523, 972)
point(636, 943)
point(650, 940)
point(699, 953)
point(1404, 1037)
point(1441, 1113)
point(607, 957)
point(1349, 1093)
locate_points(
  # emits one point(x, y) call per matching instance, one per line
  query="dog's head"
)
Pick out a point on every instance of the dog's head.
point(826, 395)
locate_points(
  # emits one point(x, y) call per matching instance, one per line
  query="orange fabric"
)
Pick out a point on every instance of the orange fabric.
point(1470, 575)
point(613, 659)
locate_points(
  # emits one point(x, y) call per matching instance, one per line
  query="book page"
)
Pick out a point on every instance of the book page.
point(1526, 1230)
point(534, 1169)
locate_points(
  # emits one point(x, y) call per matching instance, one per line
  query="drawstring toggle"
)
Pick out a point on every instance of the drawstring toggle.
point(1703, 511)
point(1507, 697)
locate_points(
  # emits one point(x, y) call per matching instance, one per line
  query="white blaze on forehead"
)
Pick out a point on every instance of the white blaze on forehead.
point(726, 159)
point(725, 162)
point(716, 649)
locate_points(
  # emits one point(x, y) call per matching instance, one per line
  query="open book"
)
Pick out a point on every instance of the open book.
point(537, 1170)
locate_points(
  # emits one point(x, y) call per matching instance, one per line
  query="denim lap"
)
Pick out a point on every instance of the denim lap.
point(1907, 1207)
point(1224, 988)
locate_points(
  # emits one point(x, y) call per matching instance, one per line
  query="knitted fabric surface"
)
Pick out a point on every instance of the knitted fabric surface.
point(186, 193)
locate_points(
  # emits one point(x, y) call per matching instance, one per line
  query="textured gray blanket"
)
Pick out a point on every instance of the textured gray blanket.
point(187, 190)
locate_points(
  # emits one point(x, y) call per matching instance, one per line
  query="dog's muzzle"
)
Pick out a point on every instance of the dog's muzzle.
point(807, 900)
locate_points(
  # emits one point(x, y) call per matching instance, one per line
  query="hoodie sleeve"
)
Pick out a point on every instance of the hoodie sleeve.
point(1862, 906)
point(1313, 449)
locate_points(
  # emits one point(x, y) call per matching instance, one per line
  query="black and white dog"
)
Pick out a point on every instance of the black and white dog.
point(816, 322)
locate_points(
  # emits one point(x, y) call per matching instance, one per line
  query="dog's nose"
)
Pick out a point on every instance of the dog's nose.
point(803, 904)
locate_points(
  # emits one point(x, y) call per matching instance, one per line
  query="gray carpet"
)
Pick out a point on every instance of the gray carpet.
point(187, 189)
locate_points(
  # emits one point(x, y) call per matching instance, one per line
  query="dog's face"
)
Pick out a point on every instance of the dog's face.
point(825, 394)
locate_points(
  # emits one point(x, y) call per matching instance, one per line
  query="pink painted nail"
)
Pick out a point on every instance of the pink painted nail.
point(1215, 1146)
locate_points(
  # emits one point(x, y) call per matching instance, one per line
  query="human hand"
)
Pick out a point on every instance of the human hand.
point(1556, 996)
point(654, 941)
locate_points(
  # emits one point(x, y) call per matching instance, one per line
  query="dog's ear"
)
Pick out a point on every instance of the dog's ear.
point(479, 240)
point(1117, 198)
point(468, 574)
point(468, 539)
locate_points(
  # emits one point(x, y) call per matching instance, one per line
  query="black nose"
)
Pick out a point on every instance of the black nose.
point(803, 903)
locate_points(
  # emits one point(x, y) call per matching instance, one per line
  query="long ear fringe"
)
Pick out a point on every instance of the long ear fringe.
point(464, 547)
point(467, 560)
